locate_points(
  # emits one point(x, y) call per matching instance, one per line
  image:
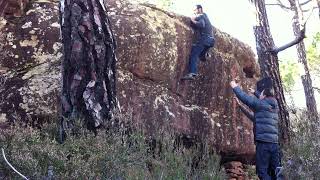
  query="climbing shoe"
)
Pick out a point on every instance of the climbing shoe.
point(190, 76)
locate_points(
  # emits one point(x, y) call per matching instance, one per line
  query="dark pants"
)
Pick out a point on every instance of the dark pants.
point(267, 160)
point(199, 49)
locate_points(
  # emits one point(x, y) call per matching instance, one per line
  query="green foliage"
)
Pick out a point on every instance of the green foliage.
point(109, 155)
point(250, 171)
point(313, 54)
point(302, 156)
point(289, 69)
point(289, 72)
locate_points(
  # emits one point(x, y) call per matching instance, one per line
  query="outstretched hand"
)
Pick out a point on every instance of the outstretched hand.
point(251, 90)
point(233, 84)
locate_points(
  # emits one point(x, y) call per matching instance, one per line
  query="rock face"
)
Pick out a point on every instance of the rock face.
point(30, 60)
point(153, 49)
point(235, 170)
point(13, 7)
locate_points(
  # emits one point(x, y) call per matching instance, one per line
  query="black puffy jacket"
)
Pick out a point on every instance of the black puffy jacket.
point(265, 116)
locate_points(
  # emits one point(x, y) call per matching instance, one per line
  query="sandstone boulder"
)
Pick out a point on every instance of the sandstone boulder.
point(152, 50)
point(13, 7)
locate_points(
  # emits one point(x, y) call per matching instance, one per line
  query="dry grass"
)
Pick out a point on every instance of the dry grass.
point(109, 155)
point(302, 156)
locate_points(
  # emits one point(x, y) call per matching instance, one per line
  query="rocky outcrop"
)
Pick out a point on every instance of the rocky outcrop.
point(31, 53)
point(152, 50)
point(235, 171)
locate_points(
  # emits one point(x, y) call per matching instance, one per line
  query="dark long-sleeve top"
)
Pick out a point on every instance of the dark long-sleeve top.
point(203, 24)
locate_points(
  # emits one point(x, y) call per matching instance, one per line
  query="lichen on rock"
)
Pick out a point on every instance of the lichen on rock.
point(31, 52)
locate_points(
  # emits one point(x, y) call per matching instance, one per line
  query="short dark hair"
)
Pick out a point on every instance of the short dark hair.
point(199, 6)
point(268, 92)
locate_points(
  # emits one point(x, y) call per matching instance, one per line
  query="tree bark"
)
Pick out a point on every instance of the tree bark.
point(318, 2)
point(302, 58)
point(88, 66)
point(269, 65)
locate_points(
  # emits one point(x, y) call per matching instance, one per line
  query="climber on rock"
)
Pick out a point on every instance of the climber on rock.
point(204, 41)
point(265, 118)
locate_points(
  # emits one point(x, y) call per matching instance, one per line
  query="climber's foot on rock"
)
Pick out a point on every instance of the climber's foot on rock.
point(189, 76)
point(204, 57)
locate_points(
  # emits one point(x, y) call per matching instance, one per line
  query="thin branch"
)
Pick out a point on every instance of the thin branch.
point(280, 2)
point(316, 88)
point(298, 39)
point(280, 5)
point(306, 2)
point(4, 157)
point(307, 10)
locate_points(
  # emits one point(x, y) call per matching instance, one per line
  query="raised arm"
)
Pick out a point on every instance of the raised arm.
point(247, 112)
point(250, 101)
point(198, 21)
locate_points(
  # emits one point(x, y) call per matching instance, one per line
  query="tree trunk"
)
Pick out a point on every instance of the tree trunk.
point(270, 66)
point(88, 66)
point(318, 2)
point(302, 58)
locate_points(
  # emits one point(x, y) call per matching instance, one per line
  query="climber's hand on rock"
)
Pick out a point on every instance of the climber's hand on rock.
point(251, 90)
point(233, 84)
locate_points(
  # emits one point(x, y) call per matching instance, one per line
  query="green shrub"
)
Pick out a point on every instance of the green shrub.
point(109, 155)
point(302, 156)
